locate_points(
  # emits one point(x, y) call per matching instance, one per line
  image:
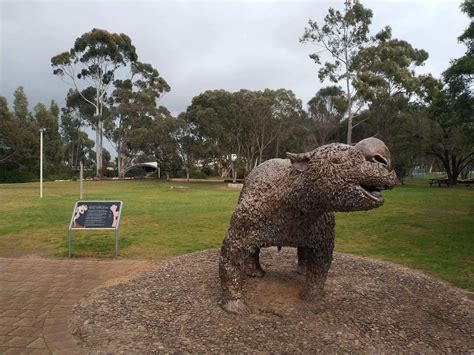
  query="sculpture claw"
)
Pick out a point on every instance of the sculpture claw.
point(236, 307)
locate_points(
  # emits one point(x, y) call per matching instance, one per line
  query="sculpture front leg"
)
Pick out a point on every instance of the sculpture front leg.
point(318, 261)
point(230, 273)
point(252, 265)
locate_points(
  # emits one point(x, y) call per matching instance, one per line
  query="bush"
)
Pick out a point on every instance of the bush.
point(110, 173)
point(209, 170)
point(62, 175)
point(9, 173)
point(197, 174)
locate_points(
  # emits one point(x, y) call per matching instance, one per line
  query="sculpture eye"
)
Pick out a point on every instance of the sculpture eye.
point(379, 159)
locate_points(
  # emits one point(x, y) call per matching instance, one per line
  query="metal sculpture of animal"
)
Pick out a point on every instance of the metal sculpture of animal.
point(291, 203)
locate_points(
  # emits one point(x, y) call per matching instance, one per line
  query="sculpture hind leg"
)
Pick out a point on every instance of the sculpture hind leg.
point(252, 265)
point(230, 272)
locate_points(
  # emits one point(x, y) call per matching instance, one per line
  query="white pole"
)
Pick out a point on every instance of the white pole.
point(41, 162)
point(81, 180)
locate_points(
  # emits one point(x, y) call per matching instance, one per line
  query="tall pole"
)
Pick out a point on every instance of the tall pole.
point(81, 178)
point(41, 162)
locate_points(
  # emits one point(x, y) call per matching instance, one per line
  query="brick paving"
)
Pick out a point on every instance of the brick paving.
point(37, 296)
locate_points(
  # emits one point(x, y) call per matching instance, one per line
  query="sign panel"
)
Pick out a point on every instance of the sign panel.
point(96, 215)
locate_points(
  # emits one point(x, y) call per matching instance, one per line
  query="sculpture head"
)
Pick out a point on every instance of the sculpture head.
point(347, 178)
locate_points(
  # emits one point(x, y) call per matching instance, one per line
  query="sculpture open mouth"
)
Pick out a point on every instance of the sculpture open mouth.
point(373, 192)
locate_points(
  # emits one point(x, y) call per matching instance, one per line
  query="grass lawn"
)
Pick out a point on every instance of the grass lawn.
point(431, 229)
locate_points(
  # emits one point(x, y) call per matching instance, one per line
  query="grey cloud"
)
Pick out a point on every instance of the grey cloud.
point(200, 46)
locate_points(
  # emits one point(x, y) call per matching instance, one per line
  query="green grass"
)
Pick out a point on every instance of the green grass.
point(431, 229)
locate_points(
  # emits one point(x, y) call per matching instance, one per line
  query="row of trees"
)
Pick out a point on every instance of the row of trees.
point(375, 91)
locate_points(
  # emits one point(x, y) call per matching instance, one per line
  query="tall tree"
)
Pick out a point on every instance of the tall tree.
point(187, 146)
point(452, 133)
point(460, 75)
point(452, 108)
point(53, 148)
point(386, 78)
point(94, 59)
point(325, 111)
point(3, 102)
point(133, 100)
point(77, 114)
point(74, 140)
point(155, 137)
point(20, 106)
point(18, 147)
point(343, 35)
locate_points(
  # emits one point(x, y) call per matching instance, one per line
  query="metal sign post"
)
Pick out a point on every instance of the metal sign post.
point(81, 180)
point(95, 215)
point(41, 161)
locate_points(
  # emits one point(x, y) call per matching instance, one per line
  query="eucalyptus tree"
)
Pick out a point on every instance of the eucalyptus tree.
point(460, 75)
point(53, 145)
point(287, 113)
point(386, 79)
point(325, 112)
point(19, 146)
point(214, 117)
point(187, 146)
point(154, 136)
point(78, 114)
point(133, 102)
point(94, 60)
point(452, 134)
point(343, 35)
point(20, 106)
point(451, 108)
point(69, 127)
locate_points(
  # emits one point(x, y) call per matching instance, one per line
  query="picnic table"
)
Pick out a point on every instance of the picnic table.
point(439, 181)
point(467, 182)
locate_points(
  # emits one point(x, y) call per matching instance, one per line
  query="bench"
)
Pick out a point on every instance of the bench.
point(440, 182)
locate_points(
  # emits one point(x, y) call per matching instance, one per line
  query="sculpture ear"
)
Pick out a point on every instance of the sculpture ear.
point(299, 161)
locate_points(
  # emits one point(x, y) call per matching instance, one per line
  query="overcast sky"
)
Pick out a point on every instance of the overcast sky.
point(198, 46)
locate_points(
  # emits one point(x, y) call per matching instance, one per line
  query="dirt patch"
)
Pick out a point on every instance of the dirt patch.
point(370, 306)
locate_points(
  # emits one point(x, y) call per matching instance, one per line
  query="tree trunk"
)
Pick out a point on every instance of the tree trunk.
point(465, 173)
point(260, 157)
point(101, 138)
point(72, 155)
point(451, 170)
point(349, 113)
point(121, 172)
point(98, 135)
point(277, 148)
point(97, 151)
point(187, 174)
point(349, 98)
point(232, 168)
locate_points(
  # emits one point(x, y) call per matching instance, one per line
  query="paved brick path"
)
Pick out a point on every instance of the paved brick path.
point(37, 295)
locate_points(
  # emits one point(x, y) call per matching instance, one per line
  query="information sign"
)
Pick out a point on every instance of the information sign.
point(96, 215)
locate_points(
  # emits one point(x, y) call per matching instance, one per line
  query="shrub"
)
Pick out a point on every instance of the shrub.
point(9, 173)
